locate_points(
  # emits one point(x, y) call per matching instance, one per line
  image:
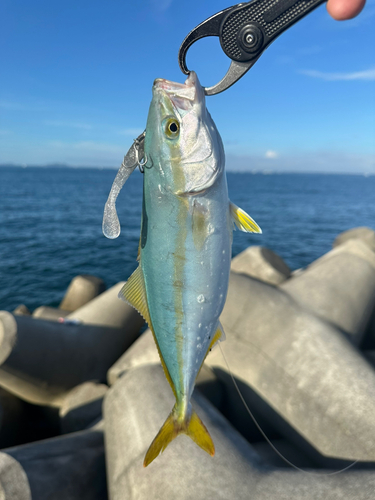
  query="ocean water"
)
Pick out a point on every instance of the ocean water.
point(50, 224)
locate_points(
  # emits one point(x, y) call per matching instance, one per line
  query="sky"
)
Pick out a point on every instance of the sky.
point(76, 79)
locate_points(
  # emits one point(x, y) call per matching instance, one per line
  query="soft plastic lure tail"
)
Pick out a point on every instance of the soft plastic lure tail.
point(111, 225)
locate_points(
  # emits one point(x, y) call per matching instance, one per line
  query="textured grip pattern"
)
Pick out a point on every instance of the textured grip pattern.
point(256, 11)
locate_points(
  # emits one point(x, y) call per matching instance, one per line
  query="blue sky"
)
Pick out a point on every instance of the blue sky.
point(76, 77)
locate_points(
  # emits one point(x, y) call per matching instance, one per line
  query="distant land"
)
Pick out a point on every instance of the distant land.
point(229, 170)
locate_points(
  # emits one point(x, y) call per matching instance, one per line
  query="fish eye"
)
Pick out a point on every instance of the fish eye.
point(171, 128)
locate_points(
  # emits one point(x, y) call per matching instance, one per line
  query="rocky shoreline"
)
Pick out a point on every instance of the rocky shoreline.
point(82, 393)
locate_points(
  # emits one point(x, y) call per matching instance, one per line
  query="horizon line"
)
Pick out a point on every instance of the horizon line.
point(231, 171)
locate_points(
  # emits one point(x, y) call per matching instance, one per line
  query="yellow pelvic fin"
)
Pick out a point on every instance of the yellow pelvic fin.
point(242, 220)
point(172, 427)
point(134, 293)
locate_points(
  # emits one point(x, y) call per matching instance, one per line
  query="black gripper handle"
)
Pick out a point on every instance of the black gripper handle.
point(249, 28)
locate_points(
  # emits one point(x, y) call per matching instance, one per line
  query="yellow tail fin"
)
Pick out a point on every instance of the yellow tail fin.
point(172, 427)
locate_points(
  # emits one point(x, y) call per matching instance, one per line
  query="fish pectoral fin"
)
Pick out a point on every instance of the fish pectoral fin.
point(134, 293)
point(172, 427)
point(243, 220)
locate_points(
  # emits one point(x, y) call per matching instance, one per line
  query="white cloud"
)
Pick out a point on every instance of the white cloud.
point(57, 123)
point(271, 154)
point(84, 153)
point(305, 161)
point(133, 132)
point(161, 5)
point(368, 75)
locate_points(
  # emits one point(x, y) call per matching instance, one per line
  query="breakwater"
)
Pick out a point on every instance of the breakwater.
point(301, 348)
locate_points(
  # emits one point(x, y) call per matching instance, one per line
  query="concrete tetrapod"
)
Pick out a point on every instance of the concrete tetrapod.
point(319, 386)
point(22, 310)
point(365, 234)
point(43, 360)
point(13, 479)
point(81, 290)
point(108, 310)
point(135, 408)
point(64, 468)
point(339, 287)
point(49, 313)
point(142, 352)
point(262, 263)
point(82, 406)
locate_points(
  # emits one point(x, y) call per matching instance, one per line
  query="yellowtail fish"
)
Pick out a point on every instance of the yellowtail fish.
point(181, 283)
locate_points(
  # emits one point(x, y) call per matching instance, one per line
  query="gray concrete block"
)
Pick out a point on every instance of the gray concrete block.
point(8, 334)
point(135, 408)
point(302, 368)
point(339, 287)
point(43, 360)
point(365, 234)
point(82, 406)
point(49, 313)
point(108, 310)
point(22, 310)
point(13, 480)
point(64, 468)
point(262, 263)
point(290, 452)
point(81, 290)
point(142, 352)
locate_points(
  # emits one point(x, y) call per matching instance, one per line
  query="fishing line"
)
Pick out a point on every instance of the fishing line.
point(268, 440)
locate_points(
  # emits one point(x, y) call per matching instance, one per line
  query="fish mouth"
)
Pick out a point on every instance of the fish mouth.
point(182, 95)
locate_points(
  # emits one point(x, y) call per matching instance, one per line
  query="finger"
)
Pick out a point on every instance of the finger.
point(344, 9)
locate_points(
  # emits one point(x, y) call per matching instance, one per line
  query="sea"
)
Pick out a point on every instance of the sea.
point(51, 218)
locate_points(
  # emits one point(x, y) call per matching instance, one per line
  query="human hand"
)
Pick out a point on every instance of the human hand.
point(345, 9)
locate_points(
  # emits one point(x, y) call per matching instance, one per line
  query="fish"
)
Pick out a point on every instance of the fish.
point(181, 282)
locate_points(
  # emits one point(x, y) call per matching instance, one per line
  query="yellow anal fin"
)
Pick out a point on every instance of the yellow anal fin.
point(172, 427)
point(134, 293)
point(242, 220)
point(218, 337)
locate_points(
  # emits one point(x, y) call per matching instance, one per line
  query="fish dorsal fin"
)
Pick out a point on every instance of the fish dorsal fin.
point(242, 220)
point(134, 293)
